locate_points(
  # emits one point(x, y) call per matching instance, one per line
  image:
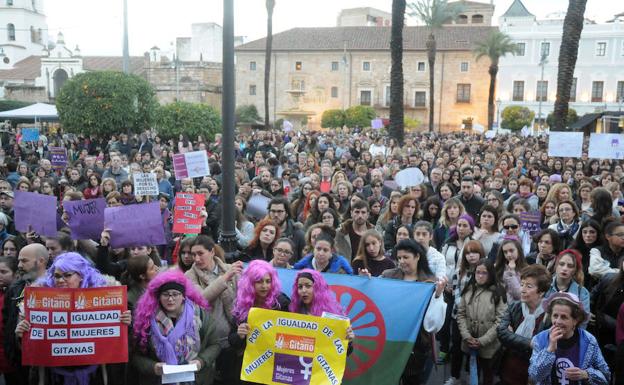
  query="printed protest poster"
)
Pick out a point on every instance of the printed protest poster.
point(190, 165)
point(145, 183)
point(35, 212)
point(606, 146)
point(86, 218)
point(384, 332)
point(290, 348)
point(30, 134)
point(186, 214)
point(58, 157)
point(531, 222)
point(135, 225)
point(71, 327)
point(565, 144)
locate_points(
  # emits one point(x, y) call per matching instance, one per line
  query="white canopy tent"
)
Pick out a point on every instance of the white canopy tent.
point(37, 112)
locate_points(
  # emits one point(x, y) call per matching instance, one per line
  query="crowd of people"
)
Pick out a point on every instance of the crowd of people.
point(525, 250)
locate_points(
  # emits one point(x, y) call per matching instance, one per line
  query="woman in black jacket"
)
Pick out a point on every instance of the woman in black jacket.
point(521, 322)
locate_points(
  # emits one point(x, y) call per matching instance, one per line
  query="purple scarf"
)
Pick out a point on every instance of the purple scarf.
point(79, 376)
point(181, 343)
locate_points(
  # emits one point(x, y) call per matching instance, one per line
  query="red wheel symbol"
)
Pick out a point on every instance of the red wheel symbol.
point(368, 325)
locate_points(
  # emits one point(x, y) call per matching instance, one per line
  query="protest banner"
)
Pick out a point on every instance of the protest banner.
point(86, 218)
point(384, 332)
point(35, 212)
point(135, 225)
point(531, 222)
point(145, 183)
point(565, 144)
point(58, 157)
point(71, 327)
point(606, 146)
point(30, 134)
point(186, 214)
point(291, 348)
point(409, 177)
point(190, 165)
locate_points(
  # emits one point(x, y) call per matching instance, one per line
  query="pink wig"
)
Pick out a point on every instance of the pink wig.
point(246, 296)
point(149, 302)
point(324, 299)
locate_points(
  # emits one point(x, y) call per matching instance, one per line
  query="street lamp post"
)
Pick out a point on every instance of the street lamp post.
point(126, 50)
point(541, 95)
point(228, 232)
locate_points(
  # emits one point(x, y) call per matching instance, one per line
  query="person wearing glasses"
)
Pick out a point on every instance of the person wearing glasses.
point(282, 252)
point(511, 227)
point(72, 271)
point(172, 327)
point(278, 212)
point(604, 259)
point(569, 223)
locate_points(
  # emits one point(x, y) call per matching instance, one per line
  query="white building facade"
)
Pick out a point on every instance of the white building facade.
point(598, 83)
point(23, 30)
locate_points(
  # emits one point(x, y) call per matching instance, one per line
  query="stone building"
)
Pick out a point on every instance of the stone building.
point(598, 83)
point(364, 17)
point(315, 69)
point(473, 13)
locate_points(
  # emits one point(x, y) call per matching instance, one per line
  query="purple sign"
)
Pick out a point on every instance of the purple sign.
point(86, 218)
point(58, 157)
point(289, 369)
point(531, 222)
point(35, 212)
point(135, 225)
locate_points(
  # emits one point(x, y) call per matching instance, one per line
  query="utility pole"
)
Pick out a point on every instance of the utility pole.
point(542, 64)
point(126, 50)
point(228, 231)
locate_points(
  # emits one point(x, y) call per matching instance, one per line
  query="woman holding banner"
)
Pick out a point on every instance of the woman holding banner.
point(173, 327)
point(259, 286)
point(413, 267)
point(72, 271)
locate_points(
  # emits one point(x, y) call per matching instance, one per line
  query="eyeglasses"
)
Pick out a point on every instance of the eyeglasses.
point(64, 276)
point(283, 252)
point(277, 211)
point(481, 273)
point(619, 235)
point(565, 209)
point(512, 227)
point(171, 295)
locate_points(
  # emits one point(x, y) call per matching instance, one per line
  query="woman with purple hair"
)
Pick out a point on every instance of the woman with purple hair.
point(311, 295)
point(71, 271)
point(172, 327)
point(258, 286)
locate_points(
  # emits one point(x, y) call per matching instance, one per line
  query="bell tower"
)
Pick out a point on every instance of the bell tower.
point(23, 30)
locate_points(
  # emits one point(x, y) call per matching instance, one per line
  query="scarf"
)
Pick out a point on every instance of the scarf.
point(179, 343)
point(78, 376)
point(570, 231)
point(526, 328)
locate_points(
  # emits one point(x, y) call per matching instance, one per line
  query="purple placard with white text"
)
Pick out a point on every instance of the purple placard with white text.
point(86, 218)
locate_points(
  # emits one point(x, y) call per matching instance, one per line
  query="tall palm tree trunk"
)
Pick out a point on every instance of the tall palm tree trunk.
point(493, 71)
point(270, 4)
point(431, 54)
point(568, 53)
point(396, 72)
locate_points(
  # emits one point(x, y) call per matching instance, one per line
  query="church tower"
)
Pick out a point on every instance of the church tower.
point(23, 31)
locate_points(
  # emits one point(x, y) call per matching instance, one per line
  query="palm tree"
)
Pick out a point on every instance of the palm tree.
point(568, 53)
point(496, 45)
point(434, 14)
point(270, 5)
point(397, 129)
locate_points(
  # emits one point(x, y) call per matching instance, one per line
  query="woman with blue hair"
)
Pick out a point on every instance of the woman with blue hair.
point(70, 271)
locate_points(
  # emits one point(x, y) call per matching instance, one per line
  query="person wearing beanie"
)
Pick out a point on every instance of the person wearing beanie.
point(172, 327)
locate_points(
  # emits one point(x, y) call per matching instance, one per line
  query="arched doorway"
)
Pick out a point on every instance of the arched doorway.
point(59, 77)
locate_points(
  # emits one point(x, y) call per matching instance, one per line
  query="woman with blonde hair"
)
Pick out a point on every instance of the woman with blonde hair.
point(451, 211)
point(370, 258)
point(560, 192)
point(390, 212)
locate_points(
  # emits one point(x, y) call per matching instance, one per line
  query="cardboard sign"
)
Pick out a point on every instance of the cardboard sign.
point(70, 327)
point(86, 218)
point(191, 165)
point(30, 134)
point(58, 157)
point(531, 222)
point(289, 348)
point(135, 225)
point(36, 212)
point(565, 144)
point(606, 146)
point(186, 214)
point(145, 183)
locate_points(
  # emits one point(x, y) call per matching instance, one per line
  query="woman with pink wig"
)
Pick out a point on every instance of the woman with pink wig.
point(311, 295)
point(258, 286)
point(172, 327)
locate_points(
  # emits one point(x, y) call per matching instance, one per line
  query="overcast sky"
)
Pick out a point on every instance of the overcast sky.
point(96, 26)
